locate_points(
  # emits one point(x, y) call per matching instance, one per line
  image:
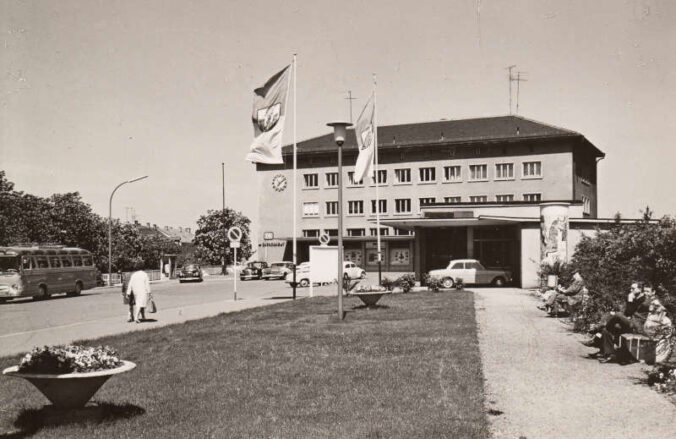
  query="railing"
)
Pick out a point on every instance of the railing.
point(153, 275)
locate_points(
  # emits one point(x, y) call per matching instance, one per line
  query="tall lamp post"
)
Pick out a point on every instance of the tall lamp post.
point(339, 135)
point(110, 227)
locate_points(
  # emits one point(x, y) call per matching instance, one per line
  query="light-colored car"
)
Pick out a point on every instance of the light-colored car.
point(277, 270)
point(350, 271)
point(472, 273)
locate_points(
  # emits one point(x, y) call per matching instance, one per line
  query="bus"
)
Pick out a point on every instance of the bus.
point(41, 271)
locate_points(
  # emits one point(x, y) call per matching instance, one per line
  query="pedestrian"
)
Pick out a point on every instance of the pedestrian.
point(127, 299)
point(139, 287)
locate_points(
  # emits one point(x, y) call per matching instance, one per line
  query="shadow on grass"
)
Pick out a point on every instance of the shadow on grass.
point(148, 320)
point(280, 297)
point(376, 306)
point(30, 421)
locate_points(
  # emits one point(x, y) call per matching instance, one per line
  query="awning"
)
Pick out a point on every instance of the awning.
point(481, 220)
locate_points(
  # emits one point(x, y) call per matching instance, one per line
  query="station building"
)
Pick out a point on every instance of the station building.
point(505, 190)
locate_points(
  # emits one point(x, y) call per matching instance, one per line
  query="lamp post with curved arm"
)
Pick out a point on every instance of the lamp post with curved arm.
point(110, 227)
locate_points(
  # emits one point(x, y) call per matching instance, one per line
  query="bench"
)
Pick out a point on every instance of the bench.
point(639, 347)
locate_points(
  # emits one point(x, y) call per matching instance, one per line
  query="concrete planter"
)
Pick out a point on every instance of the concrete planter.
point(69, 390)
point(370, 298)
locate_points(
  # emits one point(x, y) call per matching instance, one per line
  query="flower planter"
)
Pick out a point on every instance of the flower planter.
point(370, 298)
point(69, 390)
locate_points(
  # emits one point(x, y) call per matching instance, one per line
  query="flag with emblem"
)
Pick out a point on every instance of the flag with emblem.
point(364, 131)
point(269, 111)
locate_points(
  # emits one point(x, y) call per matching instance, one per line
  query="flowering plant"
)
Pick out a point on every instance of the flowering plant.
point(370, 289)
point(662, 378)
point(68, 359)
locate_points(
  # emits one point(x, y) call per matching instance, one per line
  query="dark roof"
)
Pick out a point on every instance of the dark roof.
point(508, 128)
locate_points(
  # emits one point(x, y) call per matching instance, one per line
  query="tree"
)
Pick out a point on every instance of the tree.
point(211, 244)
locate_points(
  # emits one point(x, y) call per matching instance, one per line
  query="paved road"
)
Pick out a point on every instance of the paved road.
point(538, 375)
point(98, 312)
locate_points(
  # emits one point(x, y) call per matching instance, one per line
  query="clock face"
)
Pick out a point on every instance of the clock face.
point(279, 182)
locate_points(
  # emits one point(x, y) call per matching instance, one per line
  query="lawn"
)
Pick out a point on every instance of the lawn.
point(408, 369)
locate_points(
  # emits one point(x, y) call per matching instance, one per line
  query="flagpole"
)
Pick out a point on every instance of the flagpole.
point(295, 179)
point(375, 133)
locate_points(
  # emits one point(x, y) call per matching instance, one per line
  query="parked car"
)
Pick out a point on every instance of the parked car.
point(471, 272)
point(191, 272)
point(277, 270)
point(253, 270)
point(350, 271)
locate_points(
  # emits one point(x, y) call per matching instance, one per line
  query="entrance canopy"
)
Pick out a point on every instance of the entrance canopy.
point(481, 220)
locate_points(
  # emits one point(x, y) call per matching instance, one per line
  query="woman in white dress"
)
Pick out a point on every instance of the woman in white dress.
point(139, 286)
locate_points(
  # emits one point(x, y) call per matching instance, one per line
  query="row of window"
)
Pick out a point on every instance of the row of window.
point(403, 205)
point(56, 261)
point(478, 172)
point(384, 231)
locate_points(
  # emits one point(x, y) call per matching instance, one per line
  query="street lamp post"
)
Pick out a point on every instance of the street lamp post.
point(339, 134)
point(110, 227)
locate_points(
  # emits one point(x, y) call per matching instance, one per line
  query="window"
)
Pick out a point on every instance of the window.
point(331, 232)
point(383, 206)
point(586, 205)
point(41, 262)
point(54, 262)
point(382, 176)
point(504, 198)
point(427, 175)
point(331, 179)
point(532, 169)
point(310, 233)
point(355, 207)
point(478, 198)
point(383, 231)
point(66, 262)
point(356, 232)
point(311, 180)
point(402, 205)
point(402, 175)
point(452, 173)
point(504, 171)
point(478, 172)
point(531, 197)
point(452, 200)
point(77, 261)
point(401, 232)
point(350, 180)
point(310, 209)
point(331, 208)
point(87, 261)
point(26, 263)
point(426, 201)
point(458, 266)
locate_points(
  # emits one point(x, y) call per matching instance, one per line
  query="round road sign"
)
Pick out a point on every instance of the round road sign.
point(324, 238)
point(234, 233)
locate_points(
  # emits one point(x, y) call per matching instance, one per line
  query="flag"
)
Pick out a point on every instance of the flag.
point(364, 130)
point(269, 109)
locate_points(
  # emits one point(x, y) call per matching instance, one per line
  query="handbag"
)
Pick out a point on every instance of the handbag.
point(152, 306)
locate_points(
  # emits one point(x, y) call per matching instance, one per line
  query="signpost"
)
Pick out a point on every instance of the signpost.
point(234, 235)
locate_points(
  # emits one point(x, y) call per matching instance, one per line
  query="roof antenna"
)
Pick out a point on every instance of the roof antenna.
point(511, 78)
point(518, 80)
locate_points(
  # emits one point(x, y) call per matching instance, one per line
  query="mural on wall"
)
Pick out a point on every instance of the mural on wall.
point(400, 256)
point(554, 232)
point(353, 256)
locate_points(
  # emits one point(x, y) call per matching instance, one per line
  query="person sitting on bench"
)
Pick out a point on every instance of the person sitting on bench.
point(659, 328)
point(638, 295)
point(573, 293)
point(619, 324)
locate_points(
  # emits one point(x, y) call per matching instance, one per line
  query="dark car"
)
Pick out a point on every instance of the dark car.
point(277, 270)
point(253, 270)
point(191, 272)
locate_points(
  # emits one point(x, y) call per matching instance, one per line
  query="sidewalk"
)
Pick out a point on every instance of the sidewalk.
point(538, 375)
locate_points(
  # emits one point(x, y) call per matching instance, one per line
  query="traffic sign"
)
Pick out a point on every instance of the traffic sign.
point(324, 239)
point(234, 233)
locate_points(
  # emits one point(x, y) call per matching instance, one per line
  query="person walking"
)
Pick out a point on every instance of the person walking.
point(139, 287)
point(127, 299)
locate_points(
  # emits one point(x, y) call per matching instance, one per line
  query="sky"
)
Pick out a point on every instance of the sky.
point(94, 93)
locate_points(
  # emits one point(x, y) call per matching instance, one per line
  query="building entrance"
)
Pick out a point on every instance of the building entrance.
point(442, 245)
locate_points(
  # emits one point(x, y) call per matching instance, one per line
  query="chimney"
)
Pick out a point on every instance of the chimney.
point(166, 228)
point(187, 229)
point(136, 222)
point(155, 226)
point(148, 225)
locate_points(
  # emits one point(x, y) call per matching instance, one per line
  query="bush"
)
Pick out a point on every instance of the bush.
point(406, 282)
point(662, 378)
point(388, 283)
point(560, 269)
point(611, 260)
point(433, 283)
